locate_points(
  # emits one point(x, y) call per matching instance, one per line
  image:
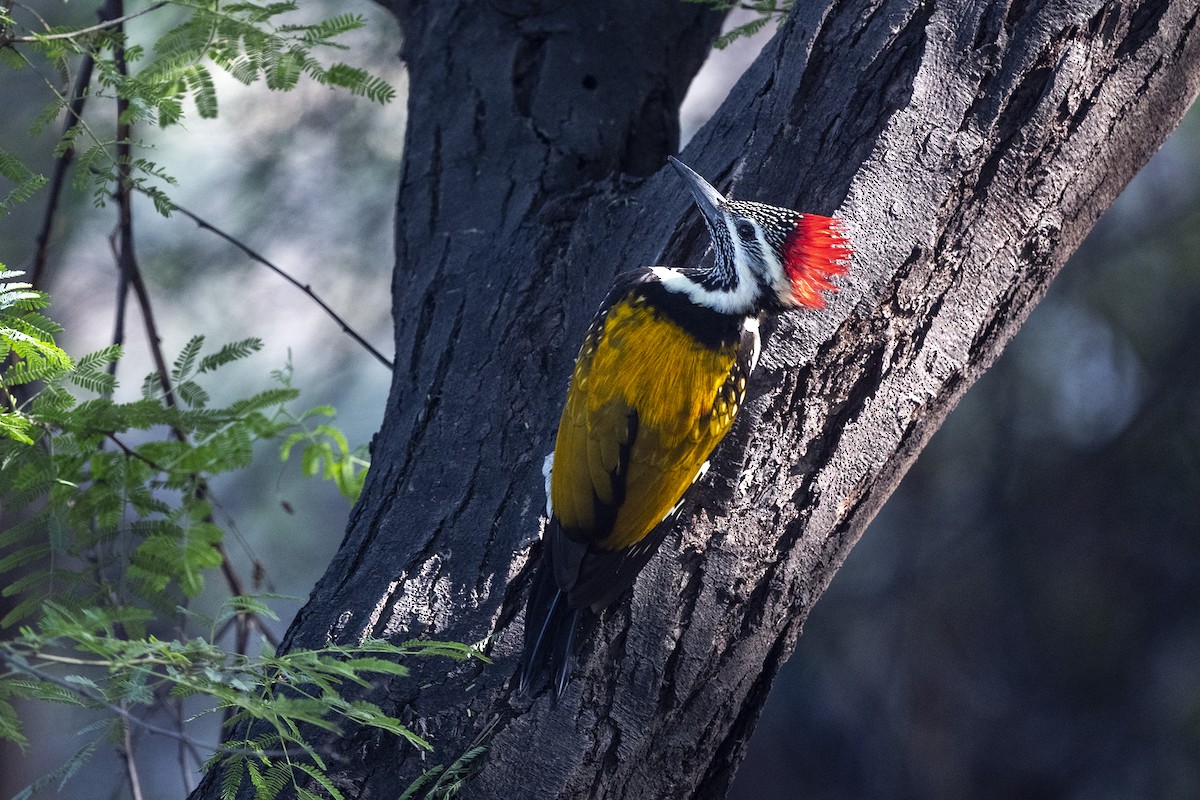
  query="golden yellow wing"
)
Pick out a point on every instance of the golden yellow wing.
point(648, 402)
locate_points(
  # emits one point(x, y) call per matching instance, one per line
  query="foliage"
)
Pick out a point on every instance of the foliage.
point(767, 10)
point(251, 41)
point(25, 182)
point(110, 502)
point(27, 337)
point(117, 532)
point(325, 449)
point(280, 695)
point(445, 782)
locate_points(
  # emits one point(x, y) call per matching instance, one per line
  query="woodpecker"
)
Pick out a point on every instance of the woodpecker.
point(658, 381)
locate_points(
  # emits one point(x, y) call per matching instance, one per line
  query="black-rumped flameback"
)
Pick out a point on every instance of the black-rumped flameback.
point(657, 384)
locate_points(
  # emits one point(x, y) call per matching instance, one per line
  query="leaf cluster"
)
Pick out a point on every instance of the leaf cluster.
point(27, 347)
point(766, 10)
point(326, 452)
point(25, 182)
point(122, 486)
point(115, 529)
point(252, 41)
point(280, 696)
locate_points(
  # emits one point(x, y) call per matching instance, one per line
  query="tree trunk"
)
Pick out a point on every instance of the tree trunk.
point(970, 146)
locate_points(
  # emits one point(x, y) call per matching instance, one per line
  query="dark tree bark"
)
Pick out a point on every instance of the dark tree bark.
point(971, 145)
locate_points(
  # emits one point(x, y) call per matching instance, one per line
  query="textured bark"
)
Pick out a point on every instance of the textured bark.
point(970, 146)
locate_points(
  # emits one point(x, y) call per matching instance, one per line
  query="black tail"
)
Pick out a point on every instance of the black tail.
point(549, 633)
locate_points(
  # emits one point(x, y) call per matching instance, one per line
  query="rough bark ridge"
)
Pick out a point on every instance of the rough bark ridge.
point(971, 145)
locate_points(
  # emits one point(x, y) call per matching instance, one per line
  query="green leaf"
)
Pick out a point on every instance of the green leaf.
point(321, 778)
point(10, 723)
point(170, 112)
point(360, 83)
point(377, 665)
point(232, 772)
point(229, 353)
point(23, 555)
point(426, 779)
point(47, 691)
point(25, 609)
point(91, 374)
point(204, 94)
point(27, 182)
point(16, 426)
point(185, 364)
point(193, 394)
point(161, 559)
point(325, 30)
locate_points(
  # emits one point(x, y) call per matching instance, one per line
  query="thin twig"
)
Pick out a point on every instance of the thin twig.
point(23, 667)
point(185, 749)
point(131, 276)
point(154, 340)
point(353, 334)
point(130, 272)
point(131, 453)
point(118, 334)
point(257, 621)
point(58, 180)
point(31, 11)
point(135, 784)
point(245, 619)
point(121, 240)
point(112, 23)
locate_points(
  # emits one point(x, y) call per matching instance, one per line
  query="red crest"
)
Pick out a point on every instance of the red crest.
point(814, 252)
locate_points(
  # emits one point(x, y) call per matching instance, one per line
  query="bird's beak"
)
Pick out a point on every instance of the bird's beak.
point(708, 198)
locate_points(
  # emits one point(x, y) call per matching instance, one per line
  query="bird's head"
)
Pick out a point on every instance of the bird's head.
point(766, 258)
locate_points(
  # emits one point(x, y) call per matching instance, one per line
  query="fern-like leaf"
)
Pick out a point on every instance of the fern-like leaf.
point(24, 555)
point(232, 772)
point(16, 426)
point(321, 778)
point(186, 362)
point(91, 373)
point(10, 723)
point(204, 93)
point(229, 353)
point(360, 83)
point(27, 182)
point(193, 394)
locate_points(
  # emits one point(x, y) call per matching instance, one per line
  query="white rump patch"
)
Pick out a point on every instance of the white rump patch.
point(547, 468)
point(751, 326)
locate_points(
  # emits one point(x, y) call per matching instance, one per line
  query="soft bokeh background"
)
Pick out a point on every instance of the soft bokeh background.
point(1021, 621)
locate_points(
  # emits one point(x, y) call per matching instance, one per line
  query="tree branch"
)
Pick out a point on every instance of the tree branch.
point(131, 771)
point(83, 78)
point(119, 23)
point(969, 144)
point(253, 254)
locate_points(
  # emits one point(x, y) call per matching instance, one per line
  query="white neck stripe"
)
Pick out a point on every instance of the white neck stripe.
point(738, 301)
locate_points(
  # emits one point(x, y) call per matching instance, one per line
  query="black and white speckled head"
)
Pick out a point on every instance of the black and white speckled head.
point(765, 258)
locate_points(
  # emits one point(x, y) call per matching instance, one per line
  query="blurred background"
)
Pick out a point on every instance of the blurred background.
point(1021, 621)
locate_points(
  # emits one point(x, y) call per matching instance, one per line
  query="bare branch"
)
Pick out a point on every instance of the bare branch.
point(58, 180)
point(135, 783)
point(345, 326)
point(100, 26)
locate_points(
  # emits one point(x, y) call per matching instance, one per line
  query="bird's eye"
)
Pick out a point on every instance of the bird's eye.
point(746, 231)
